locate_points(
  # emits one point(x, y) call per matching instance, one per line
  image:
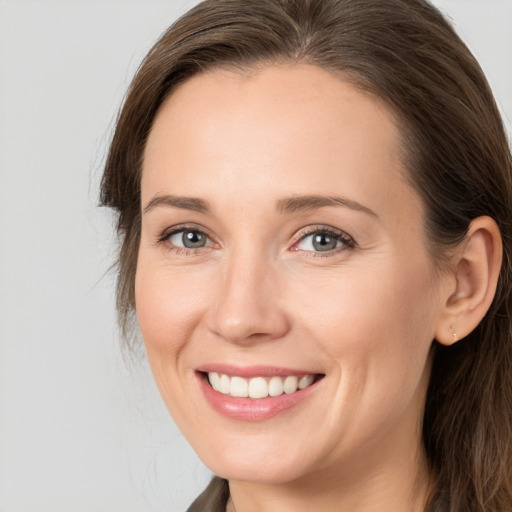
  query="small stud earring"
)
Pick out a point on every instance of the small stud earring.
point(454, 334)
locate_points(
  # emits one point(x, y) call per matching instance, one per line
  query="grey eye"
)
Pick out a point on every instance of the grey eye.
point(324, 242)
point(321, 241)
point(189, 239)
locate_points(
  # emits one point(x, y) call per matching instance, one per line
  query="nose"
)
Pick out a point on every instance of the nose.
point(247, 305)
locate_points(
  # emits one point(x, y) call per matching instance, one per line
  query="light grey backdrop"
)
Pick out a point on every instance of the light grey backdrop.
point(79, 430)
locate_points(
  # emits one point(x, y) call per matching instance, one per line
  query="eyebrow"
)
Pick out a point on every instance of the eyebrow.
point(186, 203)
point(284, 206)
point(305, 203)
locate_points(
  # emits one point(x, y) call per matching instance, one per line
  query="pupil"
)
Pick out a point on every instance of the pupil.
point(323, 242)
point(193, 239)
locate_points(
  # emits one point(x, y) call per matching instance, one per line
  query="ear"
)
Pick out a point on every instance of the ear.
point(473, 281)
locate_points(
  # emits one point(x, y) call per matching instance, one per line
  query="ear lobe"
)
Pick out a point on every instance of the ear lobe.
point(476, 267)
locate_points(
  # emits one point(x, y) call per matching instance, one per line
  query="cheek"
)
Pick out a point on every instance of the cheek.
point(366, 304)
point(168, 304)
point(168, 311)
point(376, 326)
point(375, 329)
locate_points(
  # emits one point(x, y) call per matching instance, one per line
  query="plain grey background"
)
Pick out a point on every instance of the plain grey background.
point(81, 428)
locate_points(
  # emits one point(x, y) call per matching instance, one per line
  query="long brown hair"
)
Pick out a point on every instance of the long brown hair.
point(455, 148)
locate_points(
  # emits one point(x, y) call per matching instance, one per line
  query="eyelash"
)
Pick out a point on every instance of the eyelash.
point(340, 236)
point(179, 251)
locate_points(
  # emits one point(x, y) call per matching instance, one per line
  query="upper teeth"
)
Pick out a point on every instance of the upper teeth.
point(258, 387)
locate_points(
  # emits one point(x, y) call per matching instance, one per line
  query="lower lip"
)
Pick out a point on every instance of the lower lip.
point(249, 409)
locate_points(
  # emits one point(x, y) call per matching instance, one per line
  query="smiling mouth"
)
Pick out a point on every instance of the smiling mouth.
point(259, 387)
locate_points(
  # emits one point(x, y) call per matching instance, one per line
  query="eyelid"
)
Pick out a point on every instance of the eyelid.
point(347, 240)
point(168, 232)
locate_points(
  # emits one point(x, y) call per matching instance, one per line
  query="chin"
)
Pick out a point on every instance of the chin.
point(270, 466)
point(256, 473)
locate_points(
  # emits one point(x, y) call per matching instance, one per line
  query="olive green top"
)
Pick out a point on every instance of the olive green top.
point(213, 499)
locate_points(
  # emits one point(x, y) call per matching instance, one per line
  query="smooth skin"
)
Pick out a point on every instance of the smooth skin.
point(230, 152)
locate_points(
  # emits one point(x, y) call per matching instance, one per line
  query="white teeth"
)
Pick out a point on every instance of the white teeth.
point(225, 385)
point(239, 387)
point(275, 386)
point(290, 385)
point(305, 381)
point(258, 387)
point(214, 380)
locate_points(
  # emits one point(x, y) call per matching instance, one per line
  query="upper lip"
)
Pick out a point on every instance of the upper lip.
point(253, 371)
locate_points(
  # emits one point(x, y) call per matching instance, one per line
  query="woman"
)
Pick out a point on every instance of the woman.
point(314, 204)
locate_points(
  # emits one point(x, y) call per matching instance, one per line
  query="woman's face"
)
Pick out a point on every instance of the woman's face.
point(281, 246)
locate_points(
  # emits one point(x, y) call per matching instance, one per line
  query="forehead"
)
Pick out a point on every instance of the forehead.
point(295, 127)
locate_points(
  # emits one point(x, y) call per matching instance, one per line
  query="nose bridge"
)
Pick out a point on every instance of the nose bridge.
point(246, 305)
